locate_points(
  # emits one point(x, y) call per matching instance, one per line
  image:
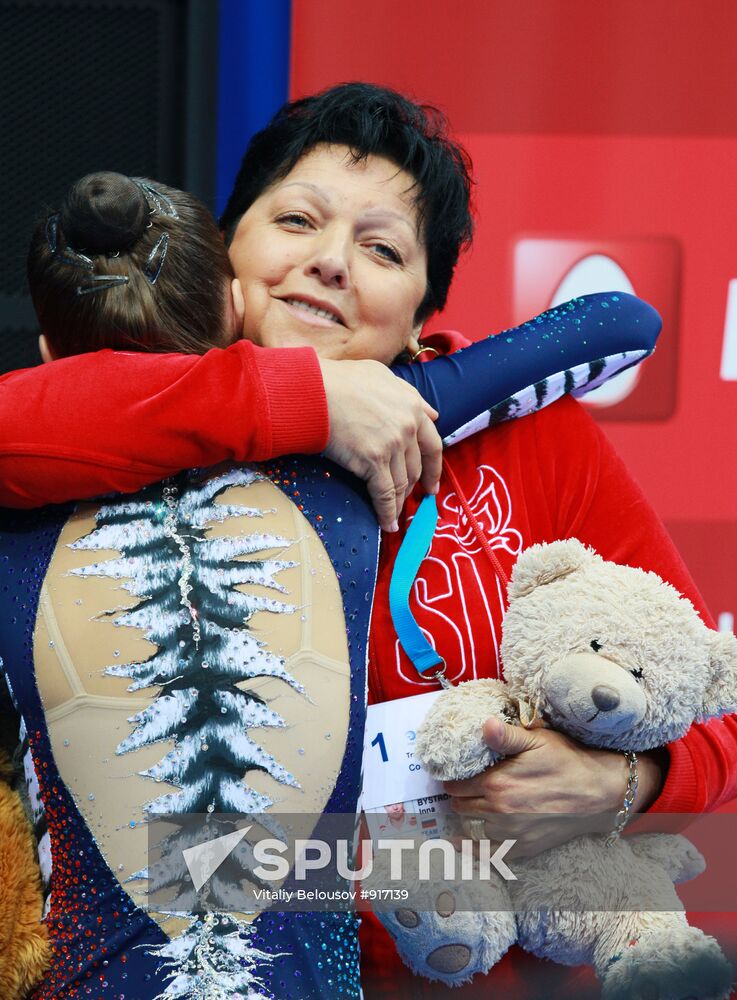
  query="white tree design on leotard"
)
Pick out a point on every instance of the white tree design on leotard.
point(190, 609)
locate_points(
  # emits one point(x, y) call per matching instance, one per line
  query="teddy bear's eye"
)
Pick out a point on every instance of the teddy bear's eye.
point(637, 674)
point(596, 645)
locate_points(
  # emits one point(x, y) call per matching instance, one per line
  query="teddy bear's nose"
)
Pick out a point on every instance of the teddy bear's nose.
point(605, 698)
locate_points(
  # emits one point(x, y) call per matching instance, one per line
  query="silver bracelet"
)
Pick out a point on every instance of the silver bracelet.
point(629, 797)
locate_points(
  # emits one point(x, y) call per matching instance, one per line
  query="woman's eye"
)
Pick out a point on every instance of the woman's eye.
point(637, 674)
point(387, 251)
point(294, 219)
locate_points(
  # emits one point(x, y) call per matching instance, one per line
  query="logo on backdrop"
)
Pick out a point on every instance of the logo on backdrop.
point(549, 270)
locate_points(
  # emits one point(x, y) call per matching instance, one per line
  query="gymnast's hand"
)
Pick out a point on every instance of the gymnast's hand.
point(382, 431)
point(543, 781)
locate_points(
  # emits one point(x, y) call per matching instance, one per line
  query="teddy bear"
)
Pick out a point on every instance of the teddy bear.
point(25, 951)
point(615, 658)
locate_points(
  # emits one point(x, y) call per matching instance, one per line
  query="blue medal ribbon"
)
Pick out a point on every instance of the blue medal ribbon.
point(412, 551)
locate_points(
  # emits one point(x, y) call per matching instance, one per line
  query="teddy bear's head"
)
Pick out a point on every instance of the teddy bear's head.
point(611, 654)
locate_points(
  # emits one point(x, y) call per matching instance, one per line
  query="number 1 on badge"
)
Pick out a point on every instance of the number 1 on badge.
point(378, 741)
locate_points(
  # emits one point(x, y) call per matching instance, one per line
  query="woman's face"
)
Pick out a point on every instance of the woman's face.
point(332, 257)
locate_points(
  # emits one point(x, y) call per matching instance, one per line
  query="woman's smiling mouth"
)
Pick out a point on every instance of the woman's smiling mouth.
point(313, 312)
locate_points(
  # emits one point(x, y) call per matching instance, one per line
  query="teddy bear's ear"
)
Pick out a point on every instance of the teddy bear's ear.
point(542, 564)
point(720, 697)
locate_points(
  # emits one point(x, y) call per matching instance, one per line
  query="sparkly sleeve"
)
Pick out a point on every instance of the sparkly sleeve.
point(115, 421)
point(572, 348)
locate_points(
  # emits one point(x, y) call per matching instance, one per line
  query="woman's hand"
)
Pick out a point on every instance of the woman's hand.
point(382, 431)
point(547, 778)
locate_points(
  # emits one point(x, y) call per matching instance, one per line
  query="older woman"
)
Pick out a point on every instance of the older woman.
point(337, 241)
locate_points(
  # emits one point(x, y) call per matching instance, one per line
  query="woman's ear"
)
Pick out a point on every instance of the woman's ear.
point(413, 344)
point(45, 350)
point(239, 308)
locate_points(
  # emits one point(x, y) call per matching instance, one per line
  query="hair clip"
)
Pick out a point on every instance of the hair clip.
point(101, 282)
point(52, 232)
point(163, 203)
point(76, 259)
point(155, 260)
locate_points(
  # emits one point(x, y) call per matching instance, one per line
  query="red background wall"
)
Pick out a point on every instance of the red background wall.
point(594, 129)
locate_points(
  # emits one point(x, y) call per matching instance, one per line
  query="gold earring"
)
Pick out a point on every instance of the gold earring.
point(422, 350)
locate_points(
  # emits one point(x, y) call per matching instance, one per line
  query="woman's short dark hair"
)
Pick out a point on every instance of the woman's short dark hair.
point(130, 264)
point(371, 120)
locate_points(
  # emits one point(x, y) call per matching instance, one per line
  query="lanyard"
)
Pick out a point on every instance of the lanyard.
point(412, 551)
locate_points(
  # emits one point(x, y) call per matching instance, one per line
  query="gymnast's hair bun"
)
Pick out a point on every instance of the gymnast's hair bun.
point(104, 212)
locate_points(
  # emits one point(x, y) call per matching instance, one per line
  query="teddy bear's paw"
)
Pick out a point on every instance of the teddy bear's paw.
point(672, 851)
point(449, 946)
point(445, 929)
point(450, 742)
point(675, 963)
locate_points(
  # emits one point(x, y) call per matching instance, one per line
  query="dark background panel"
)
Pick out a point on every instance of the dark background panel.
point(126, 85)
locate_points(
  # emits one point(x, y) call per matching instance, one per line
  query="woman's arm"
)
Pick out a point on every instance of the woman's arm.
point(615, 518)
point(114, 422)
point(587, 493)
point(109, 422)
point(596, 500)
